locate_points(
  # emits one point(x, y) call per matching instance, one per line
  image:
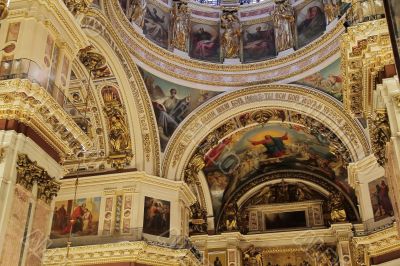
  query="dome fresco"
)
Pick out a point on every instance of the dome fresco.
point(217, 35)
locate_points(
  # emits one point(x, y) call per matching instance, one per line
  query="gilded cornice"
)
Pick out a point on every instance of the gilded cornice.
point(29, 103)
point(138, 89)
point(137, 252)
point(365, 50)
point(196, 126)
point(378, 243)
point(219, 74)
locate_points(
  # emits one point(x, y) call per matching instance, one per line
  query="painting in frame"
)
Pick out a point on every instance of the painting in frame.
point(258, 42)
point(156, 219)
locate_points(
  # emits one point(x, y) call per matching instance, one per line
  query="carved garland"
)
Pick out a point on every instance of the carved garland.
point(29, 173)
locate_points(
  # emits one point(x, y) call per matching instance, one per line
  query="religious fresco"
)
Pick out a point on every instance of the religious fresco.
point(310, 22)
point(380, 199)
point(156, 25)
point(204, 42)
point(156, 220)
point(328, 79)
point(172, 103)
point(273, 146)
point(85, 212)
point(258, 42)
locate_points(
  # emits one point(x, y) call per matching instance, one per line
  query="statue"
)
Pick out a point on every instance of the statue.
point(283, 17)
point(252, 257)
point(180, 29)
point(135, 11)
point(336, 209)
point(230, 217)
point(198, 223)
point(230, 38)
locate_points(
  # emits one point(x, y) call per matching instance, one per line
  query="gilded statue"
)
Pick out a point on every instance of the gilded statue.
point(380, 134)
point(119, 134)
point(230, 38)
point(135, 11)
point(180, 28)
point(331, 10)
point(336, 208)
point(231, 215)
point(283, 17)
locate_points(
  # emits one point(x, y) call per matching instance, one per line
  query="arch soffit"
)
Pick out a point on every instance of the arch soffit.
point(195, 128)
point(139, 110)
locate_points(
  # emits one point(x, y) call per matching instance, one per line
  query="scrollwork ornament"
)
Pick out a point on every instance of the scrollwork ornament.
point(3, 9)
point(195, 165)
point(380, 135)
point(77, 7)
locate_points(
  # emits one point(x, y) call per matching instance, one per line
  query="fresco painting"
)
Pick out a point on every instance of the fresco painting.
point(85, 213)
point(328, 80)
point(172, 103)
point(258, 42)
point(156, 25)
point(310, 22)
point(204, 42)
point(156, 220)
point(245, 153)
point(380, 199)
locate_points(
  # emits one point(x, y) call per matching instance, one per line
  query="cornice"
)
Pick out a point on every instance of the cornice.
point(29, 103)
point(138, 252)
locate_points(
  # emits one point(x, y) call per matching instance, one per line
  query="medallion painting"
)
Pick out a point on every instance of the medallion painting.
point(172, 103)
point(328, 80)
point(156, 220)
point(310, 21)
point(156, 25)
point(258, 42)
point(204, 42)
point(85, 213)
point(380, 199)
point(254, 150)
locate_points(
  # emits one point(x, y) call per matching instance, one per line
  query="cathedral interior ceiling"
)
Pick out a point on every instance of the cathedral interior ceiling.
point(324, 46)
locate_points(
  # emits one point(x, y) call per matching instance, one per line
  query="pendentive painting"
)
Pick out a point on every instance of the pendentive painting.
point(310, 22)
point(204, 42)
point(380, 199)
point(156, 220)
point(85, 214)
point(328, 80)
point(244, 155)
point(156, 25)
point(258, 42)
point(172, 103)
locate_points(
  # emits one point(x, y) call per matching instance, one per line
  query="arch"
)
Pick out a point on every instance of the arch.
point(132, 90)
point(304, 100)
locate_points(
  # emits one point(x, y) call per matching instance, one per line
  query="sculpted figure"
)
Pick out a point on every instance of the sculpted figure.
point(230, 38)
point(181, 17)
point(283, 17)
